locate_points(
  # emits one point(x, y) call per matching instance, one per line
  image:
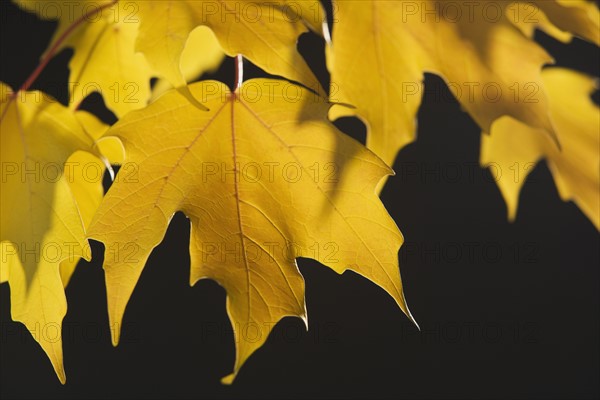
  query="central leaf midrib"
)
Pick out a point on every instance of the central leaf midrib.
point(238, 204)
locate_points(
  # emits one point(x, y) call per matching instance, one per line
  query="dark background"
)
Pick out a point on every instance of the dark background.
point(506, 310)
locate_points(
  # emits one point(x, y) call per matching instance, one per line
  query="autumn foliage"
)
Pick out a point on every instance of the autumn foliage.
point(261, 171)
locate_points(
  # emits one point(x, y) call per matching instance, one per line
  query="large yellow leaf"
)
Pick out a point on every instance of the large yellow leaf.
point(40, 214)
point(478, 47)
point(104, 58)
point(515, 148)
point(84, 174)
point(259, 176)
point(264, 32)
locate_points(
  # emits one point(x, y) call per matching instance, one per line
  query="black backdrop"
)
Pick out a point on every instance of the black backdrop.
point(506, 310)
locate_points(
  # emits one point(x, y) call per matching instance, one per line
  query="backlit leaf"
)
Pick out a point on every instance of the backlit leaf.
point(260, 178)
point(477, 47)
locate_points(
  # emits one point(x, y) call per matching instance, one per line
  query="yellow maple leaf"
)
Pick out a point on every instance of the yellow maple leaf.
point(477, 47)
point(84, 176)
point(514, 148)
point(105, 61)
point(263, 32)
point(42, 224)
point(260, 177)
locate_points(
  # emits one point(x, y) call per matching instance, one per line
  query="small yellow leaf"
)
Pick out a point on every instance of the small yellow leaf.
point(264, 178)
point(262, 32)
point(514, 148)
point(202, 53)
point(105, 61)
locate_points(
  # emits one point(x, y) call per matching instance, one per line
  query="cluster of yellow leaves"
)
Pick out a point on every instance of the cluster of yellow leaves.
point(111, 34)
point(151, 38)
point(219, 156)
point(488, 58)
